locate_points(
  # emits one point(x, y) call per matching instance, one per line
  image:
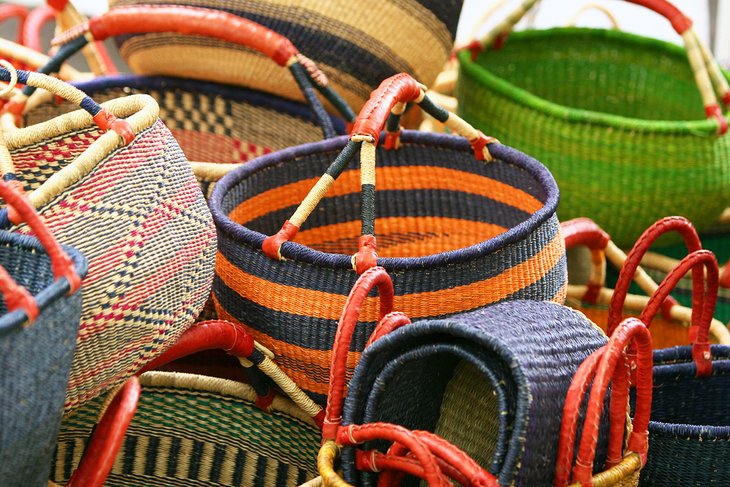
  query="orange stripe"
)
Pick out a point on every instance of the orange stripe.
point(389, 178)
point(294, 300)
point(402, 236)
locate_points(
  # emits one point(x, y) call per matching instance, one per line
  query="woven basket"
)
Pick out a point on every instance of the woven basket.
point(613, 114)
point(194, 430)
point(595, 300)
point(218, 126)
point(39, 319)
point(131, 204)
point(455, 233)
point(357, 44)
point(491, 382)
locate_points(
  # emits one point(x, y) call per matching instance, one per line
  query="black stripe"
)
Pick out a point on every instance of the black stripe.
point(219, 453)
point(130, 447)
point(68, 459)
point(392, 124)
point(397, 203)
point(436, 111)
point(409, 281)
point(196, 458)
point(367, 211)
point(343, 159)
point(151, 455)
point(282, 472)
point(258, 480)
point(239, 465)
point(174, 455)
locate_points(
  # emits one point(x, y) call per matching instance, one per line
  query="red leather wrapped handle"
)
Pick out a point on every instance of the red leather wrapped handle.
point(584, 232)
point(206, 335)
point(193, 21)
point(375, 276)
point(400, 88)
point(9, 11)
point(673, 223)
point(99, 457)
point(37, 18)
point(703, 300)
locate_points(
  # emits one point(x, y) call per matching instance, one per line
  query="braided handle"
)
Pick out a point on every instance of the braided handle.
point(388, 101)
point(107, 438)
point(600, 367)
point(30, 59)
point(374, 277)
point(218, 25)
point(708, 76)
point(16, 296)
point(236, 341)
point(631, 264)
point(703, 301)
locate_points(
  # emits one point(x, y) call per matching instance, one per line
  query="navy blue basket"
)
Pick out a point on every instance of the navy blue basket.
point(491, 381)
point(39, 320)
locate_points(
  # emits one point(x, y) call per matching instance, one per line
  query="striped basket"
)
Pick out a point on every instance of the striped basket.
point(614, 116)
point(128, 200)
point(194, 430)
point(39, 320)
point(456, 233)
point(357, 44)
point(218, 126)
point(595, 299)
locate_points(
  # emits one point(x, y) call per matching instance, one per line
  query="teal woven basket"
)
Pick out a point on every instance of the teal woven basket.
point(617, 118)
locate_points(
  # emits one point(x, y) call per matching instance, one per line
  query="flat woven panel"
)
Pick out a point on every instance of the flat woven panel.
point(454, 233)
point(689, 434)
point(211, 122)
point(492, 381)
point(35, 361)
point(617, 118)
point(142, 222)
point(356, 44)
point(198, 431)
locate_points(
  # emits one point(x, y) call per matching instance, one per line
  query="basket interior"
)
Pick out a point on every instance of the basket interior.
point(428, 200)
point(602, 71)
point(209, 125)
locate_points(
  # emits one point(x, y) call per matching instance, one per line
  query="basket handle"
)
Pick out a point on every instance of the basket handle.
point(669, 224)
point(594, 6)
point(236, 341)
point(357, 434)
point(16, 296)
point(599, 368)
point(707, 74)
point(30, 59)
point(383, 109)
point(107, 437)
point(374, 277)
point(218, 25)
point(9, 11)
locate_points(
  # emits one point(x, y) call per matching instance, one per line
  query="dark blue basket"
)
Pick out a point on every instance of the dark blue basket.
point(689, 435)
point(491, 381)
point(35, 360)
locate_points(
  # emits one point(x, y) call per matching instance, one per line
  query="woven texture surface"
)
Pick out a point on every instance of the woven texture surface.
point(454, 234)
point(523, 353)
point(617, 119)
point(198, 431)
point(211, 122)
point(356, 44)
point(689, 435)
point(35, 362)
point(141, 220)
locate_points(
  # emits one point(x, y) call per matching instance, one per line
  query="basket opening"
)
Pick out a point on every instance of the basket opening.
point(428, 200)
point(601, 71)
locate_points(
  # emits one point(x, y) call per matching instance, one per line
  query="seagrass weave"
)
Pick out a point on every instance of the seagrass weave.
point(455, 234)
point(356, 44)
point(616, 117)
point(137, 213)
point(491, 381)
point(192, 430)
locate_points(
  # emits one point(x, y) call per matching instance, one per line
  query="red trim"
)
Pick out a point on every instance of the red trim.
point(714, 111)
point(392, 140)
point(367, 255)
point(273, 243)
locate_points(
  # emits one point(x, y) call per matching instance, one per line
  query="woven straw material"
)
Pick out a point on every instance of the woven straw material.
point(689, 435)
point(195, 431)
point(212, 123)
point(35, 361)
point(616, 117)
point(522, 353)
point(454, 234)
point(356, 44)
point(138, 215)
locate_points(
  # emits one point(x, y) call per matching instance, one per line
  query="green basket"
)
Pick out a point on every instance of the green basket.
point(617, 118)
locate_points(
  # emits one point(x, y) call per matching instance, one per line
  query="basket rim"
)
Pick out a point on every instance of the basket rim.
point(51, 293)
point(301, 253)
point(206, 88)
point(703, 127)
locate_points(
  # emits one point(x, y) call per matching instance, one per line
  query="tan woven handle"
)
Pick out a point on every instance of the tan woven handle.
point(594, 6)
point(710, 82)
